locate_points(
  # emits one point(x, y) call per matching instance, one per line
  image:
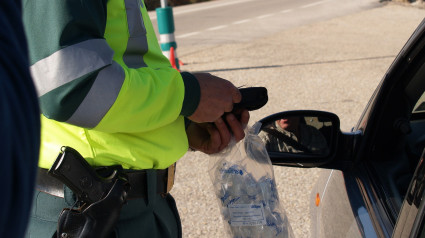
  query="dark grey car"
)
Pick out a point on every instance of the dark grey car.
point(374, 185)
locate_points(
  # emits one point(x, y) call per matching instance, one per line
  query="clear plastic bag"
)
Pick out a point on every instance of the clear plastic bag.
point(244, 184)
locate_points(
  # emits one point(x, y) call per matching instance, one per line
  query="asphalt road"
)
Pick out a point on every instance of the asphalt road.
point(327, 63)
point(232, 21)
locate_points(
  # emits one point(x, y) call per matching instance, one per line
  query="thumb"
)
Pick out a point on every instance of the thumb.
point(236, 95)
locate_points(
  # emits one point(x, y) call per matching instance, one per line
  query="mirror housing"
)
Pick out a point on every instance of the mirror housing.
point(301, 138)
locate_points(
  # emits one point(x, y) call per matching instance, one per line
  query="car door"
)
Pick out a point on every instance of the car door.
point(365, 192)
point(391, 141)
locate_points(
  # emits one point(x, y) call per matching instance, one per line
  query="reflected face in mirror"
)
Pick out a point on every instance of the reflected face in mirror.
point(289, 124)
point(297, 134)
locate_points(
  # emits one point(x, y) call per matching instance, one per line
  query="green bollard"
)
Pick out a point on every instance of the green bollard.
point(166, 32)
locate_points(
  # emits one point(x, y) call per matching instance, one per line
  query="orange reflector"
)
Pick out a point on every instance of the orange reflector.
point(317, 199)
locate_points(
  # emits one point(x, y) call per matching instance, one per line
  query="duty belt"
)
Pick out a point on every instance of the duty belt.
point(137, 180)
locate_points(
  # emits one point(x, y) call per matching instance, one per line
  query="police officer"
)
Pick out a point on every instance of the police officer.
point(106, 90)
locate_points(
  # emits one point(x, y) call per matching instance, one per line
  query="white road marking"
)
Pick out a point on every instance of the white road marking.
point(287, 10)
point(236, 22)
point(203, 7)
point(264, 16)
point(188, 34)
point(314, 4)
point(217, 28)
point(242, 21)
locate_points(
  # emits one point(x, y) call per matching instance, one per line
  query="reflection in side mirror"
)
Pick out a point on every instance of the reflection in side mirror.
point(300, 133)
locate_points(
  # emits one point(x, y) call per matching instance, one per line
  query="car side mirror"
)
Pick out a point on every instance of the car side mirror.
point(302, 138)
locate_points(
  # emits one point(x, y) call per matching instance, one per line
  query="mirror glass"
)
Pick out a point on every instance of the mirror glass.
point(298, 134)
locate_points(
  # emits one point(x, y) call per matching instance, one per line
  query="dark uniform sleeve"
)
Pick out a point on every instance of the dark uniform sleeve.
point(19, 124)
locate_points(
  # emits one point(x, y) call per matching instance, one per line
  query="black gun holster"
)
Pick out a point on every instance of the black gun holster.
point(97, 219)
point(99, 199)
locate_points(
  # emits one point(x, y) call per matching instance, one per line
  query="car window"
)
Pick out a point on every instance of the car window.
point(400, 139)
point(420, 105)
point(412, 213)
point(411, 218)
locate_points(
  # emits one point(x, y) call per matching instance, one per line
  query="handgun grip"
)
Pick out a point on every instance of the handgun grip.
point(74, 171)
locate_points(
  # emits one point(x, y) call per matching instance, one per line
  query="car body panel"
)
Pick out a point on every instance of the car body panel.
point(343, 221)
point(362, 192)
point(372, 216)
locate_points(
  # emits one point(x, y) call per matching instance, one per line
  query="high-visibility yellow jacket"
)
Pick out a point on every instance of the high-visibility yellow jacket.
point(104, 86)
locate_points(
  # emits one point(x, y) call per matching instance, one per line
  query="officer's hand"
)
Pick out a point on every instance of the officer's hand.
point(212, 138)
point(217, 97)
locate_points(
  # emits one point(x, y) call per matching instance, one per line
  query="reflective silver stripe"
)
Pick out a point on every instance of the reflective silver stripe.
point(70, 63)
point(137, 45)
point(167, 38)
point(100, 98)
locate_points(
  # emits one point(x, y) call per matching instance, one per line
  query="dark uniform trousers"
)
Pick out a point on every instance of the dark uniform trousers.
point(152, 217)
